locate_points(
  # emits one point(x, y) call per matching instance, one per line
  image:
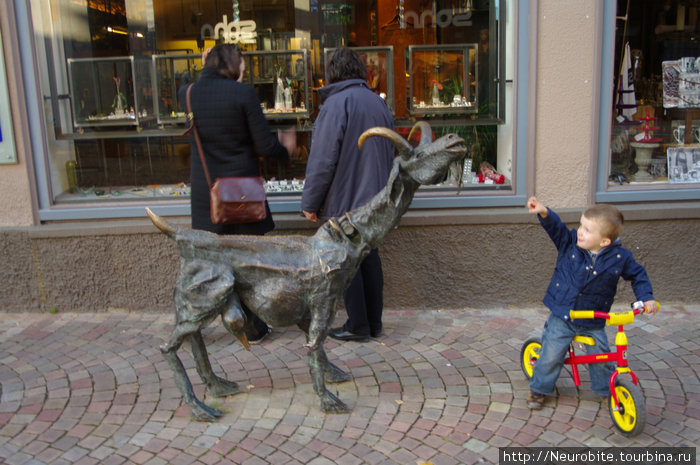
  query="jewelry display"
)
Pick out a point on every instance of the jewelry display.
point(452, 89)
point(171, 72)
point(294, 185)
point(106, 91)
point(281, 80)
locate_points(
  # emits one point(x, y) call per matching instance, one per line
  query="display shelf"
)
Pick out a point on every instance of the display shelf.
point(169, 73)
point(442, 79)
point(115, 91)
point(281, 80)
point(379, 62)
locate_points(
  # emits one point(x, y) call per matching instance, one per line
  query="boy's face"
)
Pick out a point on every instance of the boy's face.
point(590, 236)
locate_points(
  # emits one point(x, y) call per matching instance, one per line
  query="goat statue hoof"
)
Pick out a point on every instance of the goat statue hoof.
point(202, 412)
point(331, 404)
point(335, 375)
point(222, 388)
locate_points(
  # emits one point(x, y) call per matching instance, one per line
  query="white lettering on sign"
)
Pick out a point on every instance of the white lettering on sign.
point(442, 18)
point(241, 32)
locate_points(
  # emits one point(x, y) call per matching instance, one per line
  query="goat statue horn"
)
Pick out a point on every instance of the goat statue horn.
point(426, 132)
point(401, 144)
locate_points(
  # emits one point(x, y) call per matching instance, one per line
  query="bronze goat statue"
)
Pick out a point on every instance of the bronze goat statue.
point(291, 280)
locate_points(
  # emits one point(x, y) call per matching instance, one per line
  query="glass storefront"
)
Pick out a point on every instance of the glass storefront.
point(110, 71)
point(655, 135)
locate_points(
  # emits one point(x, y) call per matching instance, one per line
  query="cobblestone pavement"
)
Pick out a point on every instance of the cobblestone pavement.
point(443, 387)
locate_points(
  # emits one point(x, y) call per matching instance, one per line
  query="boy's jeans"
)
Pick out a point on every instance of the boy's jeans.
point(556, 339)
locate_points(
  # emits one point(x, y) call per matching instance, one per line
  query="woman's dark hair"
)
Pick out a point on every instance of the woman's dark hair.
point(345, 64)
point(226, 58)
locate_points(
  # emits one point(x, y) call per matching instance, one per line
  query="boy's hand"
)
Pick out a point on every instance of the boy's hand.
point(651, 306)
point(534, 206)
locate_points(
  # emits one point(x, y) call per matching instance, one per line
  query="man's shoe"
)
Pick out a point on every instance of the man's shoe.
point(343, 335)
point(376, 333)
point(535, 401)
point(258, 337)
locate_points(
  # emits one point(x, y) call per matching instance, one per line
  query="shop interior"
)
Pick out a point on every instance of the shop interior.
point(121, 126)
point(656, 113)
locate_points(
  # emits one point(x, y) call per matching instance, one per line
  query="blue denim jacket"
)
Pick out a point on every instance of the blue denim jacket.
point(579, 284)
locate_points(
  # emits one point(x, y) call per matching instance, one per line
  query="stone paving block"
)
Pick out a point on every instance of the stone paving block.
point(440, 386)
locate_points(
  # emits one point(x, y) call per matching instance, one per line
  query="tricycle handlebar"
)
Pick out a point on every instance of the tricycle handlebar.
point(614, 319)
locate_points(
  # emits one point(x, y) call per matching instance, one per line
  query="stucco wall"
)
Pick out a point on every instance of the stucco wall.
point(505, 261)
point(566, 42)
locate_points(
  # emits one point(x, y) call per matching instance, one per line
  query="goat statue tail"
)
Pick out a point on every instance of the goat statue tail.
point(161, 224)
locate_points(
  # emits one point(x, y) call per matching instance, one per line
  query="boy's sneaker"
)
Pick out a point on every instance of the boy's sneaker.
point(535, 401)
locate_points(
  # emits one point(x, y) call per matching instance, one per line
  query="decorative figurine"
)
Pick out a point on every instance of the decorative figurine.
point(119, 102)
point(279, 91)
point(290, 280)
point(437, 87)
point(435, 95)
point(288, 98)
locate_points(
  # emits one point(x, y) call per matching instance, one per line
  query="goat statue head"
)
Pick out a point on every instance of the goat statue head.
point(428, 162)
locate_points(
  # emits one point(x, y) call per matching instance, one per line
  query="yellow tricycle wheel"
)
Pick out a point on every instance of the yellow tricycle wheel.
point(631, 417)
point(529, 355)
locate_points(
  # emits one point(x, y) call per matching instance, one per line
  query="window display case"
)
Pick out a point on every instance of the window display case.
point(379, 62)
point(170, 72)
point(443, 79)
point(114, 91)
point(281, 80)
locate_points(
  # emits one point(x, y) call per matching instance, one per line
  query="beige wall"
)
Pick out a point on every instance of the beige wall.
point(566, 45)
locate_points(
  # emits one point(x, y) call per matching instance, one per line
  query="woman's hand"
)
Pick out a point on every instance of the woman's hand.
point(288, 138)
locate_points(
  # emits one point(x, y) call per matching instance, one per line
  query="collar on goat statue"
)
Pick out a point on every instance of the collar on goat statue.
point(345, 227)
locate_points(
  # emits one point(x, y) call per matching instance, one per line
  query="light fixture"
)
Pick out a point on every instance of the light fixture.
point(115, 30)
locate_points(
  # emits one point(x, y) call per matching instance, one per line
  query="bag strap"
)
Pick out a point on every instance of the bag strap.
point(193, 127)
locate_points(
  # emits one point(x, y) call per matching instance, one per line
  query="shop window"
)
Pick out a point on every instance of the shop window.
point(654, 144)
point(110, 71)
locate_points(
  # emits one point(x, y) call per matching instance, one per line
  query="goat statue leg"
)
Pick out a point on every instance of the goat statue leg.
point(321, 369)
point(218, 387)
point(198, 410)
point(317, 365)
point(331, 373)
point(233, 320)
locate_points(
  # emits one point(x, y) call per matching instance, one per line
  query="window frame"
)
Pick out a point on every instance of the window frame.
point(603, 191)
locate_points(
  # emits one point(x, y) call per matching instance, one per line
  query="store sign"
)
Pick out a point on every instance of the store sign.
point(235, 32)
point(442, 18)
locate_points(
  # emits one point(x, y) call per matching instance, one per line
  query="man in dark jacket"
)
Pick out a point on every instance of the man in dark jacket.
point(340, 177)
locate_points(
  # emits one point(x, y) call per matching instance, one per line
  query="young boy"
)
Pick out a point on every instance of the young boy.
point(590, 262)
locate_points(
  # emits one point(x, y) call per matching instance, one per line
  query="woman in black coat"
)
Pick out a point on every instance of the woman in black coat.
point(233, 131)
